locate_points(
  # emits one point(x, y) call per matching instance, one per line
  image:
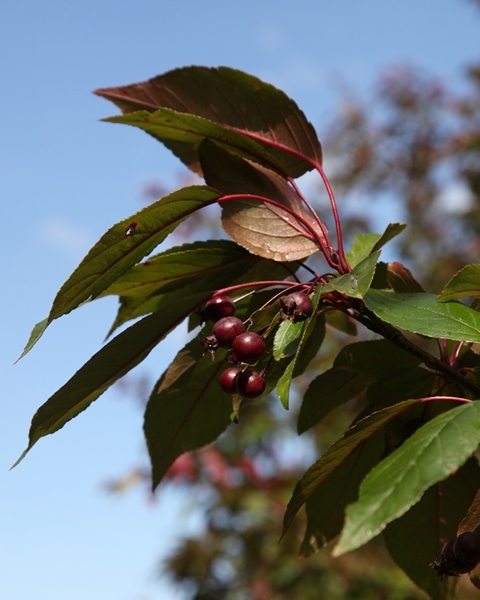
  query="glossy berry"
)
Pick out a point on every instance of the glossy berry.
point(218, 307)
point(467, 550)
point(226, 330)
point(297, 306)
point(250, 384)
point(460, 555)
point(248, 347)
point(228, 379)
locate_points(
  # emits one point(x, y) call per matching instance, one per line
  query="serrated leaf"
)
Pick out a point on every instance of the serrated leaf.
point(431, 522)
point(367, 243)
point(123, 245)
point(205, 266)
point(114, 360)
point(186, 410)
point(325, 508)
point(327, 391)
point(183, 133)
point(35, 335)
point(309, 340)
point(356, 283)
point(338, 453)
point(287, 339)
point(423, 314)
point(262, 228)
point(196, 265)
point(464, 283)
point(430, 455)
point(231, 98)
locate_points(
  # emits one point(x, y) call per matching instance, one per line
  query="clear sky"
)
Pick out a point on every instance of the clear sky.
point(65, 178)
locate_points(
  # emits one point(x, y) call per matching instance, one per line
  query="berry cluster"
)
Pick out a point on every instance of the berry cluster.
point(247, 347)
point(460, 555)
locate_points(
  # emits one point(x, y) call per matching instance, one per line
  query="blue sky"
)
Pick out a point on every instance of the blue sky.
point(65, 178)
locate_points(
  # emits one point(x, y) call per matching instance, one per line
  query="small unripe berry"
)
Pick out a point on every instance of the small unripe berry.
point(297, 306)
point(228, 379)
point(250, 384)
point(218, 307)
point(226, 330)
point(248, 347)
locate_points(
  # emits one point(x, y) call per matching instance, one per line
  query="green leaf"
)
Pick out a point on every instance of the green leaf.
point(197, 265)
point(305, 342)
point(397, 277)
point(326, 392)
point(430, 522)
point(287, 339)
point(36, 334)
point(183, 133)
point(340, 321)
point(356, 283)
point(105, 367)
point(186, 410)
point(464, 283)
point(423, 314)
point(375, 359)
point(230, 98)
point(124, 245)
point(325, 508)
point(338, 453)
point(430, 455)
point(367, 243)
point(262, 228)
point(201, 266)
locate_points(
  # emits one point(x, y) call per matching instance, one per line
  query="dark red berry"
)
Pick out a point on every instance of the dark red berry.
point(248, 347)
point(218, 307)
point(226, 330)
point(250, 384)
point(467, 550)
point(297, 306)
point(228, 379)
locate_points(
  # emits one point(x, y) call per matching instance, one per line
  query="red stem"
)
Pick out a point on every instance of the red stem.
point(313, 234)
point(343, 264)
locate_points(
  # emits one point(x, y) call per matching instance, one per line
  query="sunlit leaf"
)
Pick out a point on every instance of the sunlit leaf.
point(325, 508)
point(338, 453)
point(231, 98)
point(367, 243)
point(356, 283)
point(207, 266)
point(183, 133)
point(114, 360)
point(430, 523)
point(430, 455)
point(423, 314)
point(304, 340)
point(123, 246)
point(464, 283)
point(262, 228)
